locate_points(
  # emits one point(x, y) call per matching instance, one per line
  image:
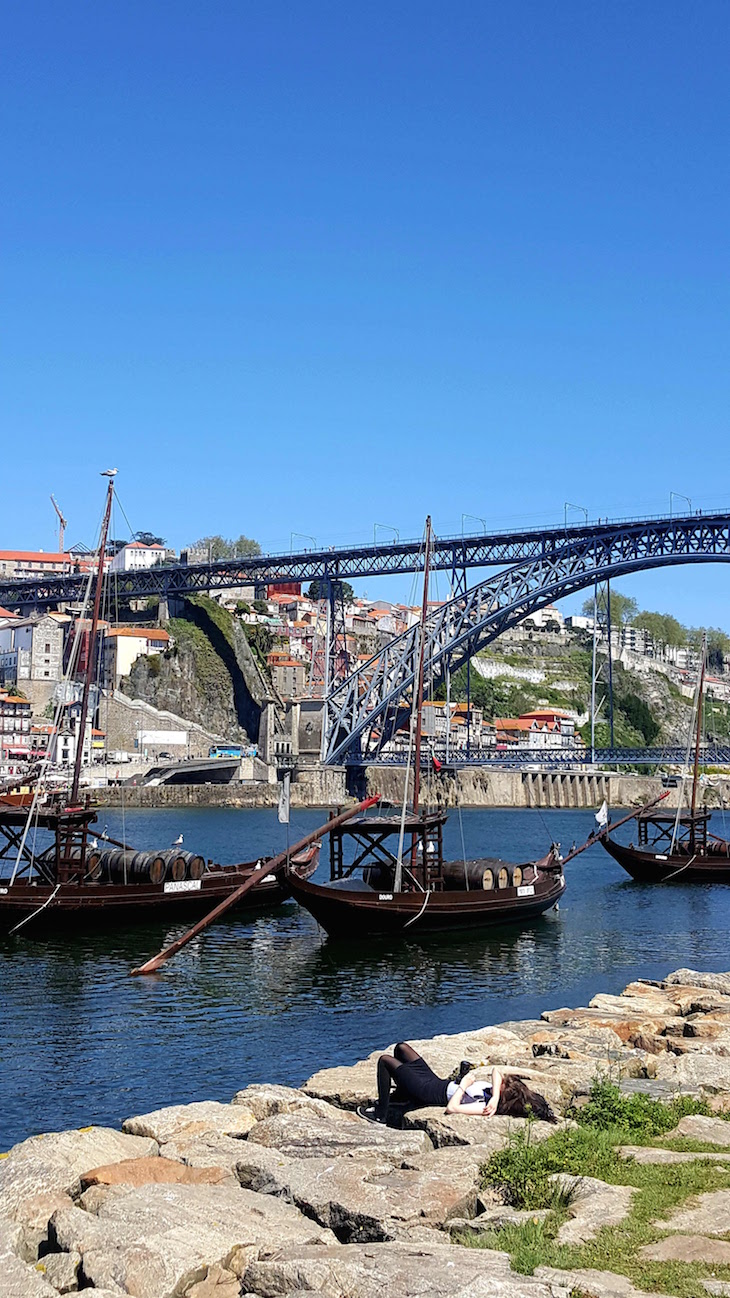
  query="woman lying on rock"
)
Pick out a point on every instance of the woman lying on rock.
point(417, 1085)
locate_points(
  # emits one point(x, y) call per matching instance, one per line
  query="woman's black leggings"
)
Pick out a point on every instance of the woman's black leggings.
point(415, 1082)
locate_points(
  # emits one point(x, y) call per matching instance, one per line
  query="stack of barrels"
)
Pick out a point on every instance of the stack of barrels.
point(121, 865)
point(482, 874)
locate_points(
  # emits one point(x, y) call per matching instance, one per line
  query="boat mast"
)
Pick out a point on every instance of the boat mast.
point(91, 656)
point(698, 736)
point(419, 683)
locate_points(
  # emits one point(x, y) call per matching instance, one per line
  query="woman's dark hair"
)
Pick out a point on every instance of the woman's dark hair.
point(517, 1100)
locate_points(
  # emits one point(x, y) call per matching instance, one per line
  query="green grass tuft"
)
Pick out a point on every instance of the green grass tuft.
point(639, 1116)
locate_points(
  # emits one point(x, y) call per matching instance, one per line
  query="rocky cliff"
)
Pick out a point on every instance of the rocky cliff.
point(209, 675)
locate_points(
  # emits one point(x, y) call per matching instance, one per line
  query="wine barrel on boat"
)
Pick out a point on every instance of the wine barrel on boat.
point(486, 874)
point(176, 863)
point(122, 865)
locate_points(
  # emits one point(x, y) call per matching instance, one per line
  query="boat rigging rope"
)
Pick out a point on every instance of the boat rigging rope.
point(28, 918)
point(686, 866)
point(418, 916)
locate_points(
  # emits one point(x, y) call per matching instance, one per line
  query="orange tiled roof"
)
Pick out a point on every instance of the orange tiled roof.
point(139, 633)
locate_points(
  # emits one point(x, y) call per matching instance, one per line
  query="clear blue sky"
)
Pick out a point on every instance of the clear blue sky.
point(314, 266)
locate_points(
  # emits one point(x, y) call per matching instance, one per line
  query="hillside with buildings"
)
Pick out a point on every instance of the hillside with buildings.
point(248, 668)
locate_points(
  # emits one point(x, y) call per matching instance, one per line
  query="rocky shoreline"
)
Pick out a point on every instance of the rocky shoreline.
point(285, 1191)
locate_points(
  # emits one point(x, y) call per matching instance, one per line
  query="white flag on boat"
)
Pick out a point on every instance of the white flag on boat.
point(602, 815)
point(284, 799)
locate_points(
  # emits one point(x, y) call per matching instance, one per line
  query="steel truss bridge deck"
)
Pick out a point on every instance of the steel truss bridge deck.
point(454, 554)
point(529, 759)
point(366, 710)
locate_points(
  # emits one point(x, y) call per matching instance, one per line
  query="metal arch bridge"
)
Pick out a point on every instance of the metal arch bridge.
point(363, 712)
point(455, 554)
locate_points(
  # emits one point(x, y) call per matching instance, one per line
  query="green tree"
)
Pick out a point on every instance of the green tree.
point(662, 627)
point(718, 645)
point(623, 607)
point(217, 548)
point(260, 606)
point(342, 590)
point(149, 538)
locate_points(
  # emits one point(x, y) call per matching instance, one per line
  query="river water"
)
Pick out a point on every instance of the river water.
point(271, 998)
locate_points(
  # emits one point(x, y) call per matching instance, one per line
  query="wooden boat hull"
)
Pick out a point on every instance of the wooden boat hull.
point(74, 907)
point(656, 867)
point(344, 913)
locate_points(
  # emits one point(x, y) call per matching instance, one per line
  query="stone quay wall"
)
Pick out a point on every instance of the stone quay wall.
point(281, 1191)
point(326, 786)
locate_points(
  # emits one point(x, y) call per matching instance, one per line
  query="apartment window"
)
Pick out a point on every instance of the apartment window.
point(47, 649)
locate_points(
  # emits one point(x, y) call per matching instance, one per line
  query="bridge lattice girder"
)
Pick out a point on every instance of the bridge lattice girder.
point(364, 711)
point(451, 553)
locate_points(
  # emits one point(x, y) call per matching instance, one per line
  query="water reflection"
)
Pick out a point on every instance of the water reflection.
point(269, 996)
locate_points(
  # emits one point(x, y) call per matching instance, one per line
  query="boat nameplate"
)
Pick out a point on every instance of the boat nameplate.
point(183, 885)
point(660, 857)
point(526, 890)
point(3, 891)
point(385, 896)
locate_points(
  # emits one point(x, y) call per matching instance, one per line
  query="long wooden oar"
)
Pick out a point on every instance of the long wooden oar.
point(598, 834)
point(152, 965)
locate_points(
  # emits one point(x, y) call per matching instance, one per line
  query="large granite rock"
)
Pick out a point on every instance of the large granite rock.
point(693, 1074)
point(56, 1162)
point(719, 982)
point(593, 1205)
point(265, 1101)
point(445, 1129)
point(18, 1278)
point(193, 1119)
point(712, 1131)
point(363, 1198)
point(209, 1150)
point(152, 1171)
point(160, 1239)
point(401, 1270)
point(305, 1134)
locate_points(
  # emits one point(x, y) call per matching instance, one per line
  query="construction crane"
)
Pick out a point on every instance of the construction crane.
point(61, 525)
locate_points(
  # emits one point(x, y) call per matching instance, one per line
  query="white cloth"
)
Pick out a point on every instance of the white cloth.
point(473, 1092)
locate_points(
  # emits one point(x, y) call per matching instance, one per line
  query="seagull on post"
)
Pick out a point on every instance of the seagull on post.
point(109, 473)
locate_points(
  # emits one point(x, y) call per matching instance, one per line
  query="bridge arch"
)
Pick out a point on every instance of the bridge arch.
point(364, 711)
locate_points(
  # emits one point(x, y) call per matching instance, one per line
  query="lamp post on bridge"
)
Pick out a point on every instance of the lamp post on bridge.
point(304, 536)
point(568, 506)
point(679, 496)
point(477, 519)
point(389, 527)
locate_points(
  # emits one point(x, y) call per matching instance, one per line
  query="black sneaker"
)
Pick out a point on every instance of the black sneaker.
point(369, 1113)
point(465, 1067)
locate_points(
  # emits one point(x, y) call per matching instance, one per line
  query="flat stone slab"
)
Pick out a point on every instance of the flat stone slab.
point(157, 1240)
point(695, 1126)
point(496, 1219)
point(594, 1204)
point(647, 1154)
point(445, 1129)
point(719, 982)
point(194, 1119)
point(687, 1248)
point(364, 1198)
point(56, 1162)
point(708, 1215)
point(305, 1134)
point(599, 1284)
point(401, 1270)
point(265, 1101)
point(152, 1171)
